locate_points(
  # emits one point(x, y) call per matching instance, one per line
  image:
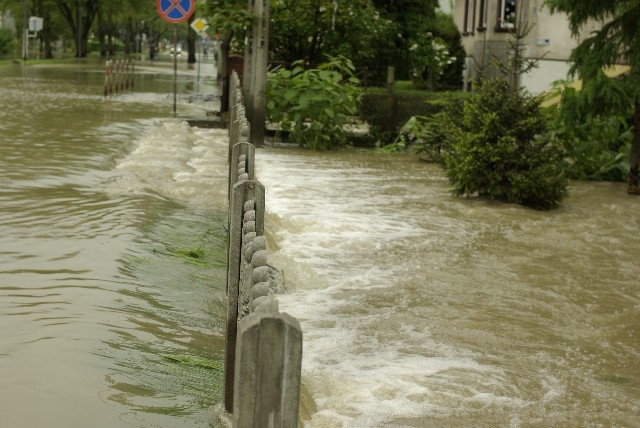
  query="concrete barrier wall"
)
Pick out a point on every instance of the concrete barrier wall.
point(263, 354)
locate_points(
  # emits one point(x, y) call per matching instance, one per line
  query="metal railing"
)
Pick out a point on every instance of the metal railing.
point(118, 76)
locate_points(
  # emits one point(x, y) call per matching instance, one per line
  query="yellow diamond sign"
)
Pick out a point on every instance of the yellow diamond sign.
point(199, 25)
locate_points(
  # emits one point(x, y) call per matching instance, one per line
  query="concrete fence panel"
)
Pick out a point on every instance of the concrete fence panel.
point(263, 355)
point(242, 165)
point(268, 371)
point(245, 194)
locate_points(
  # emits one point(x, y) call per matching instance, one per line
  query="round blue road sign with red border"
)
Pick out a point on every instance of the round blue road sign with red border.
point(175, 11)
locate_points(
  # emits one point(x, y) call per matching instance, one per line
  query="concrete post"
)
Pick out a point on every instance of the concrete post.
point(242, 193)
point(232, 113)
point(268, 371)
point(249, 152)
point(239, 119)
point(263, 352)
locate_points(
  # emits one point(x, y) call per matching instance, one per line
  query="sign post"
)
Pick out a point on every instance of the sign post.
point(35, 25)
point(175, 12)
point(200, 26)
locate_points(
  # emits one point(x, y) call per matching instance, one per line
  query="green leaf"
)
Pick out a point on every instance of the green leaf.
point(329, 112)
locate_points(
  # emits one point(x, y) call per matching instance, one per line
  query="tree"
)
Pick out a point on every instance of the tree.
point(617, 41)
point(52, 29)
point(53, 24)
point(498, 147)
point(446, 29)
point(80, 16)
point(126, 21)
point(411, 19)
point(191, 41)
point(228, 18)
point(310, 30)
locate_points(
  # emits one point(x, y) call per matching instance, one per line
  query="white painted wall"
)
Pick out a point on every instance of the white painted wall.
point(540, 79)
point(550, 40)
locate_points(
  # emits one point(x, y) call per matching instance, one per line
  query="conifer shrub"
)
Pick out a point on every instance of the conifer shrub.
point(498, 147)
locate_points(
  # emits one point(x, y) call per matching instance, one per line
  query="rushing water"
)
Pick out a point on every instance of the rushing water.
point(111, 252)
point(422, 309)
point(419, 309)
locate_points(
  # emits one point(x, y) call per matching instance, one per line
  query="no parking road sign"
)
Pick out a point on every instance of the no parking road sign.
point(175, 11)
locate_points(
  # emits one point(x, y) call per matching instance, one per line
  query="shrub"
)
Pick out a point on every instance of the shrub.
point(314, 104)
point(388, 113)
point(499, 148)
point(7, 41)
point(598, 145)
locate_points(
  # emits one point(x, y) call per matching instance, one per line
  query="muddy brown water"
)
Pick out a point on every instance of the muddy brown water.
point(419, 309)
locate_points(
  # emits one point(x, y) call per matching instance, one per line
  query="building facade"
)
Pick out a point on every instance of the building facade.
point(487, 25)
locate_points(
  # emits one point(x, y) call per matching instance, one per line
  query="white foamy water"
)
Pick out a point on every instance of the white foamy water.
point(420, 309)
point(178, 163)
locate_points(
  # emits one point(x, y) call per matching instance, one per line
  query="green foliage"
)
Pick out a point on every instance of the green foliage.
point(410, 21)
point(498, 148)
point(310, 30)
point(616, 41)
point(229, 16)
point(437, 56)
point(425, 135)
point(389, 113)
point(314, 104)
point(7, 41)
point(446, 29)
point(429, 55)
point(597, 144)
point(517, 64)
point(435, 140)
point(415, 126)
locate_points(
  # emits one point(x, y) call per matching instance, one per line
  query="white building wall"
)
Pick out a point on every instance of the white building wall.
point(550, 40)
point(541, 79)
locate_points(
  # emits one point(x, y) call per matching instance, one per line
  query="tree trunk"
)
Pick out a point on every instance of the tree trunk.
point(191, 42)
point(80, 20)
point(223, 70)
point(635, 152)
point(48, 48)
point(102, 36)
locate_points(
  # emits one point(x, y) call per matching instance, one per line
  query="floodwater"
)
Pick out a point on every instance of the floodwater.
point(418, 308)
point(422, 309)
point(112, 248)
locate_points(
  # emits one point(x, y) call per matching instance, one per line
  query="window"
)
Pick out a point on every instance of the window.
point(482, 21)
point(469, 15)
point(507, 14)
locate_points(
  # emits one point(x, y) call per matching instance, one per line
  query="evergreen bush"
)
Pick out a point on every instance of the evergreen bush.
point(499, 148)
